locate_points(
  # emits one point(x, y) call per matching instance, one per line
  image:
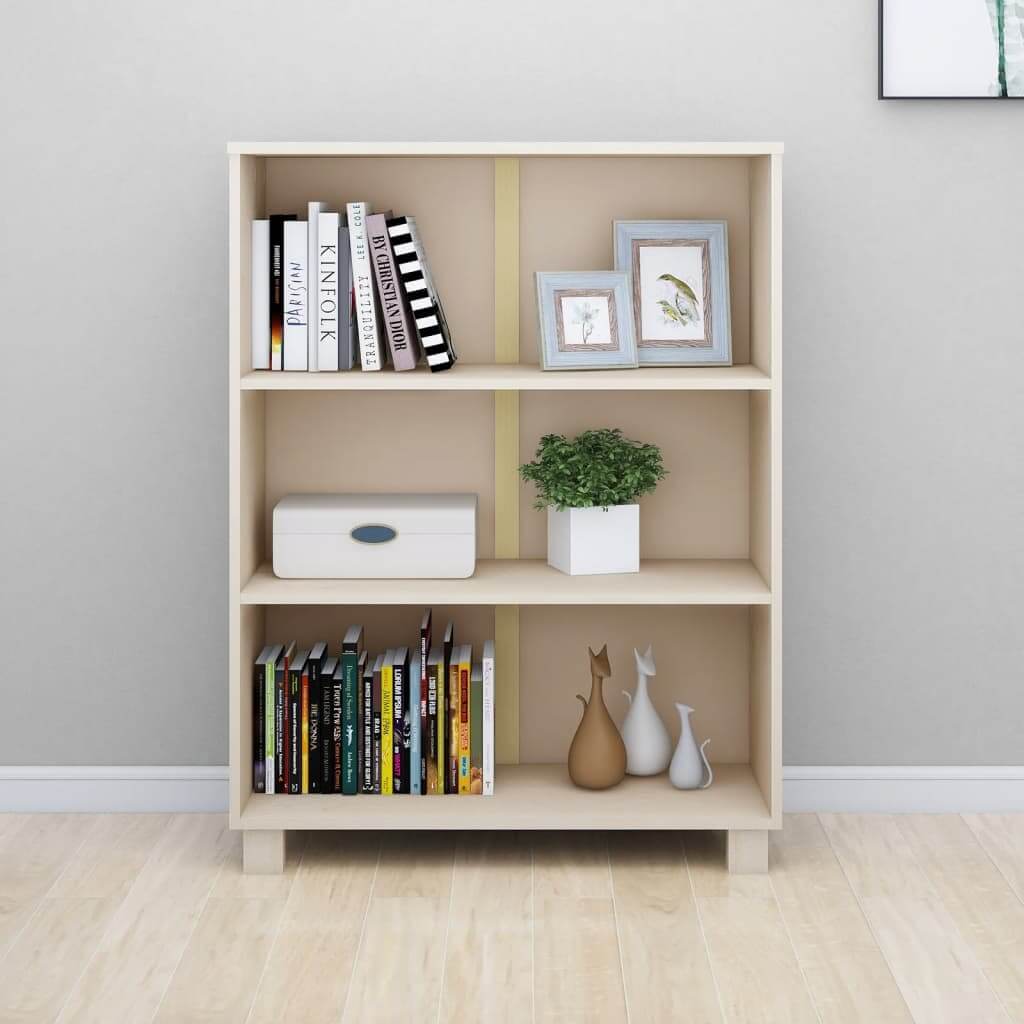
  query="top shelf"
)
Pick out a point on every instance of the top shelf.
point(516, 377)
point(504, 148)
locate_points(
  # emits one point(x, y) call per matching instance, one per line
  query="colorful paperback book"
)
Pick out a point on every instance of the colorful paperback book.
point(338, 726)
point(259, 721)
point(296, 667)
point(378, 721)
point(348, 331)
point(282, 724)
point(387, 724)
point(326, 674)
point(330, 297)
point(476, 758)
point(296, 327)
point(315, 724)
point(487, 724)
point(418, 707)
point(465, 673)
point(400, 696)
point(312, 299)
point(351, 649)
point(435, 687)
point(276, 282)
point(452, 781)
point(444, 710)
point(270, 707)
point(259, 320)
point(398, 328)
point(366, 725)
point(370, 354)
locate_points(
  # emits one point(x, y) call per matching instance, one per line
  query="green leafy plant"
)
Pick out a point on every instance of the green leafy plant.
point(598, 468)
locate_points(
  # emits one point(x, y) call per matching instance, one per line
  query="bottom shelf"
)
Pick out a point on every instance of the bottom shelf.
point(530, 797)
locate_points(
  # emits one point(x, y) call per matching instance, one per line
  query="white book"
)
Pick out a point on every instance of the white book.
point(259, 276)
point(328, 296)
point(362, 282)
point(487, 718)
point(296, 324)
point(313, 302)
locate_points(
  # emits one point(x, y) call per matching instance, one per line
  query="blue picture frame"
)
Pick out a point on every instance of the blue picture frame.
point(681, 316)
point(601, 299)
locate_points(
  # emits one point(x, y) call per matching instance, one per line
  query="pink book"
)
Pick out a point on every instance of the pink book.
point(397, 325)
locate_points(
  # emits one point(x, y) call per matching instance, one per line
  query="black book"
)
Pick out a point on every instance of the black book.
point(277, 276)
point(400, 736)
point(366, 725)
point(295, 669)
point(376, 754)
point(337, 716)
point(444, 706)
point(426, 637)
point(259, 722)
point(327, 670)
point(316, 767)
point(281, 745)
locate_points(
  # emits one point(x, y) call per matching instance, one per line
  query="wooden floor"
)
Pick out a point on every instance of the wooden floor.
point(139, 918)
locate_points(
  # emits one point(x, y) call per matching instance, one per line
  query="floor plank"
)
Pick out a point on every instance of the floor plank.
point(307, 975)
point(977, 896)
point(846, 973)
point(53, 949)
point(488, 971)
point(577, 969)
point(754, 965)
point(397, 975)
point(1002, 838)
point(664, 960)
point(936, 970)
point(135, 960)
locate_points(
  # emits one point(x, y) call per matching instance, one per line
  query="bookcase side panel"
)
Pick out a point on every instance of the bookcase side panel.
point(764, 253)
point(250, 641)
point(247, 188)
point(765, 707)
point(702, 655)
point(568, 205)
point(452, 200)
point(762, 484)
point(701, 509)
point(248, 522)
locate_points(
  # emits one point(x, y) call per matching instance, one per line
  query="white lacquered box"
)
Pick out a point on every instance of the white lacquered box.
point(375, 536)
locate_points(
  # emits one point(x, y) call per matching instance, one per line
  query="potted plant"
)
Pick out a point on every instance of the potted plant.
point(589, 485)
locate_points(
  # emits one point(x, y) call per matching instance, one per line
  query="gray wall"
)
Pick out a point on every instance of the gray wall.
point(904, 350)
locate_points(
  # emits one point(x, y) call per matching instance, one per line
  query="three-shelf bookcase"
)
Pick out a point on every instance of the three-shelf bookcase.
point(708, 595)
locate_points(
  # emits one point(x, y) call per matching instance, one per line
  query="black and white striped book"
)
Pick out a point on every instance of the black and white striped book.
point(421, 293)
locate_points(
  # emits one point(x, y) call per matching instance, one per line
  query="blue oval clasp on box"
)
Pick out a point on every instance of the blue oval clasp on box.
point(374, 533)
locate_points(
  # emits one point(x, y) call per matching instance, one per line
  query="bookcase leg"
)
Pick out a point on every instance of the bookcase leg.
point(263, 852)
point(746, 852)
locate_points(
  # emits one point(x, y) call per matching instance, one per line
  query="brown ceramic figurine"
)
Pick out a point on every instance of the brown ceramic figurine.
point(597, 757)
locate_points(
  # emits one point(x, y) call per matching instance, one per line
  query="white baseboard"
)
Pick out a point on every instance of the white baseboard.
point(903, 788)
point(895, 789)
point(122, 788)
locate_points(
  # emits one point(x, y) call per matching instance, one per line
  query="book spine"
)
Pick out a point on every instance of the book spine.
point(397, 328)
point(270, 704)
point(415, 766)
point(430, 733)
point(362, 282)
point(348, 332)
point(378, 728)
point(312, 261)
point(327, 291)
point(400, 734)
point(259, 322)
point(387, 730)
point(366, 724)
point(294, 730)
point(280, 722)
point(296, 329)
point(452, 696)
point(487, 720)
point(304, 736)
point(276, 284)
point(350, 722)
point(315, 736)
point(464, 748)
point(259, 726)
point(326, 731)
point(476, 763)
point(336, 734)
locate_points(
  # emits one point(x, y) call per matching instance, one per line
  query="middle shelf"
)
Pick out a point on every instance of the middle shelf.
point(733, 581)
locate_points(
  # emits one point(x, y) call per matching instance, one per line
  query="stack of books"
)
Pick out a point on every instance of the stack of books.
point(417, 720)
point(340, 289)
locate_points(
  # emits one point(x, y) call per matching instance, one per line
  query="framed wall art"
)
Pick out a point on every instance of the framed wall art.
point(586, 320)
point(950, 49)
point(679, 282)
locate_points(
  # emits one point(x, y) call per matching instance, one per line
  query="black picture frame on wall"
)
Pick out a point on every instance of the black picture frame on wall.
point(963, 28)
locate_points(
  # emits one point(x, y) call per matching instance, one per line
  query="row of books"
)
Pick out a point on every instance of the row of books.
point(417, 721)
point(340, 289)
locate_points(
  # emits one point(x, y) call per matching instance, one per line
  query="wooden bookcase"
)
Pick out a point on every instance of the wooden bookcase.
point(709, 591)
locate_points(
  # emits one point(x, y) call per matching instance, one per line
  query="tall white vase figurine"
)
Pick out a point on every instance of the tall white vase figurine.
point(689, 762)
point(648, 745)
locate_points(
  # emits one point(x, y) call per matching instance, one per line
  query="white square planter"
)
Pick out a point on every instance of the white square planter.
point(590, 541)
